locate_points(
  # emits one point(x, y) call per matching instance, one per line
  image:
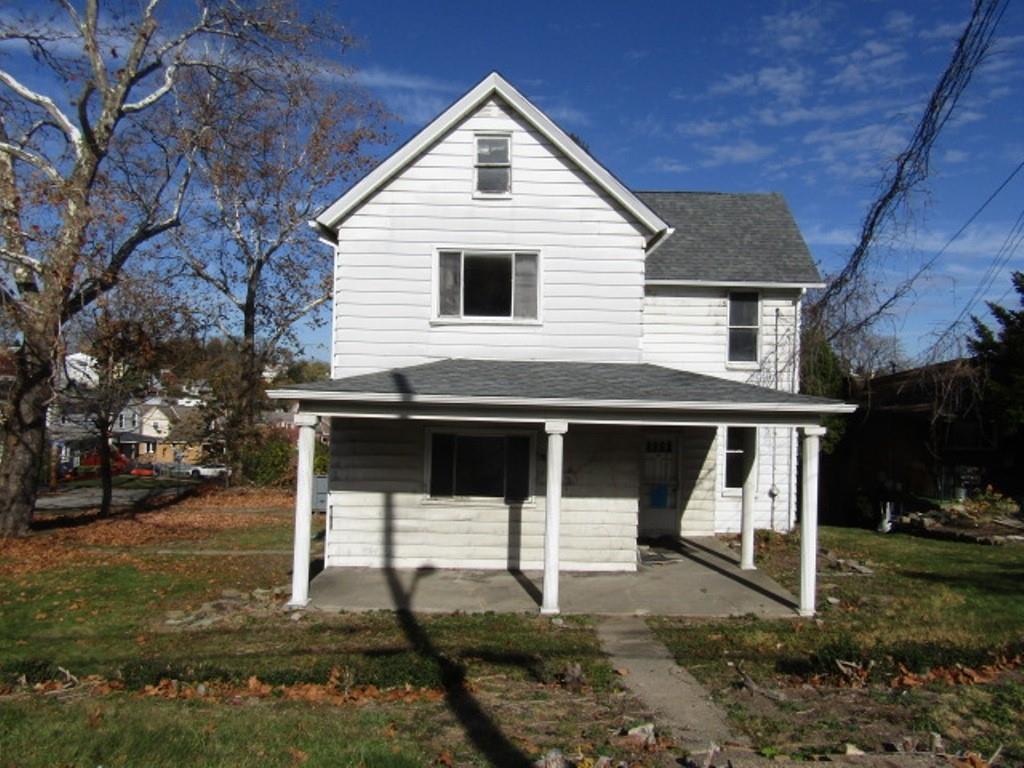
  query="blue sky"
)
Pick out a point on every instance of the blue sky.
point(808, 99)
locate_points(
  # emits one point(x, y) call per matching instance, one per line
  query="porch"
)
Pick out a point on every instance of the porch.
point(698, 577)
point(553, 485)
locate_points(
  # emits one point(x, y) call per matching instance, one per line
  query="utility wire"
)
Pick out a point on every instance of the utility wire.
point(956, 235)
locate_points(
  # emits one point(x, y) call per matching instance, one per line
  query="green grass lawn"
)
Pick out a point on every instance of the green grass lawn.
point(104, 613)
point(929, 604)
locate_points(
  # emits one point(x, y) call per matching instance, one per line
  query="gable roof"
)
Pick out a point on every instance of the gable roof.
point(546, 383)
point(492, 85)
point(721, 238)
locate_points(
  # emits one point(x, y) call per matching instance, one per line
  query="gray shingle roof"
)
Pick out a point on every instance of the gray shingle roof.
point(729, 238)
point(540, 380)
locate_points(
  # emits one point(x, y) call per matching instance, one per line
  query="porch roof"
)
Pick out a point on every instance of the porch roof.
point(558, 384)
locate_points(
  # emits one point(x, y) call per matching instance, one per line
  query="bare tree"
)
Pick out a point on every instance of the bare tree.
point(96, 165)
point(855, 299)
point(259, 179)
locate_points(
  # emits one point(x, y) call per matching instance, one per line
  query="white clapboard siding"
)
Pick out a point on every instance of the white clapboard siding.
point(380, 513)
point(775, 467)
point(591, 259)
point(687, 327)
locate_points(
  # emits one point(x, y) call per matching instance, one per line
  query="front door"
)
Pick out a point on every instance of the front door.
point(659, 485)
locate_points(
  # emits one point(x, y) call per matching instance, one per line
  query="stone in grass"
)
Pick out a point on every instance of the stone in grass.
point(833, 600)
point(852, 749)
point(553, 758)
point(642, 735)
point(232, 594)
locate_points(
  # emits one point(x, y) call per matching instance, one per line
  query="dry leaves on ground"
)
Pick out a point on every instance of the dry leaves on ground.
point(314, 693)
point(193, 519)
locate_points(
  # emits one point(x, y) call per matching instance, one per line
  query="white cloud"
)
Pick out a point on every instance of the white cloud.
point(743, 83)
point(869, 67)
point(742, 151)
point(788, 84)
point(955, 156)
point(824, 113)
point(386, 79)
point(947, 30)
point(899, 22)
point(669, 165)
point(705, 128)
point(563, 113)
point(794, 30)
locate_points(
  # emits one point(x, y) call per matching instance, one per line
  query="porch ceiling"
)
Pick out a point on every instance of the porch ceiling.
point(555, 390)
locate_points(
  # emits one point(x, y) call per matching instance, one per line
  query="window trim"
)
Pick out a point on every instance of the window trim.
point(428, 442)
point(744, 365)
point(477, 194)
point(436, 318)
point(736, 491)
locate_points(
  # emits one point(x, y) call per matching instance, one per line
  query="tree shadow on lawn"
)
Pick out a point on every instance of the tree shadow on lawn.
point(155, 501)
point(485, 734)
point(997, 579)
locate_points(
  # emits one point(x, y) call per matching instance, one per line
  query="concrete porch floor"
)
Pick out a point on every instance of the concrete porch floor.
point(699, 578)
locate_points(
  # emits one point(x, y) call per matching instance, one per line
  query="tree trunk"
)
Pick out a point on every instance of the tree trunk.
point(24, 440)
point(106, 471)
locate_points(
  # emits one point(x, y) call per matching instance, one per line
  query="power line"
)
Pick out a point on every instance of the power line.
point(993, 267)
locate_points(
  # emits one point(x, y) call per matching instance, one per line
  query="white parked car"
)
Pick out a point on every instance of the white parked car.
point(211, 470)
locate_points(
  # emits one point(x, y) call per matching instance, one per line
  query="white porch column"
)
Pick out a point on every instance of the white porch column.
point(552, 511)
point(809, 519)
point(303, 509)
point(747, 510)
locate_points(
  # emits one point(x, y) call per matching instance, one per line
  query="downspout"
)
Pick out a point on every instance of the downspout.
point(794, 388)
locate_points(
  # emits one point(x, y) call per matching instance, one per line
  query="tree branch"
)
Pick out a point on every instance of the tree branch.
point(33, 159)
point(71, 133)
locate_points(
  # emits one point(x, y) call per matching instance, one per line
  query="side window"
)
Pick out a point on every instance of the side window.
point(744, 327)
point(737, 442)
point(493, 165)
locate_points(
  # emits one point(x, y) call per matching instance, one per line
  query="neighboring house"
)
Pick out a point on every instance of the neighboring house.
point(533, 366)
point(147, 432)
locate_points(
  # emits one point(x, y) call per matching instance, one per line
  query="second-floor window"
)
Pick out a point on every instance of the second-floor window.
point(493, 165)
point(744, 311)
point(487, 284)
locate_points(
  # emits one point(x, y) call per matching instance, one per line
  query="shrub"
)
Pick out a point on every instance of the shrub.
point(269, 459)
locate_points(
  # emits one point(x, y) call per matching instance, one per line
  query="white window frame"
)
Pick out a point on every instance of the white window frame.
point(477, 165)
point(748, 365)
point(737, 490)
point(529, 501)
point(435, 286)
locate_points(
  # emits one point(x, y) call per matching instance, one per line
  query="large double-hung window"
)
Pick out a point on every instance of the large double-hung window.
point(487, 284)
point(480, 465)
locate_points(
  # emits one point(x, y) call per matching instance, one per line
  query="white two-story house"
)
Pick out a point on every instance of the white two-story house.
point(533, 366)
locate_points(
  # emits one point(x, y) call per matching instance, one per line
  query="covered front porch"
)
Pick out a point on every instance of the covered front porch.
point(699, 578)
point(573, 510)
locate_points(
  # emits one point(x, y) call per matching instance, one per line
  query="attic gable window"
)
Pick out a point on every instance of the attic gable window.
point(487, 285)
point(744, 311)
point(493, 165)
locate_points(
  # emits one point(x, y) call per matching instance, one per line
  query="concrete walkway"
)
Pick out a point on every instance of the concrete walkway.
point(701, 579)
point(680, 703)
